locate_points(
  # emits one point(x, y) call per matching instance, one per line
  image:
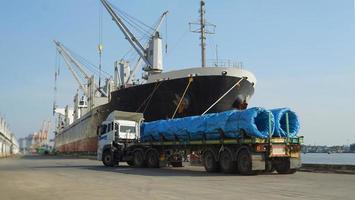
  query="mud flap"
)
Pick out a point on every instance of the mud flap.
point(258, 162)
point(295, 163)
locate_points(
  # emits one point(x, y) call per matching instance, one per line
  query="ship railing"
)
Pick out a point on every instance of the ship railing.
point(225, 63)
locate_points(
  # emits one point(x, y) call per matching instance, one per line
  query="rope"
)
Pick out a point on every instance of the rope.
point(100, 47)
point(133, 19)
point(182, 97)
point(237, 83)
point(147, 100)
point(86, 63)
point(166, 34)
point(145, 108)
point(56, 74)
point(177, 43)
point(134, 22)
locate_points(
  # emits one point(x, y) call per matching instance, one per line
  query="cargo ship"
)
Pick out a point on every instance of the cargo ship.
point(161, 95)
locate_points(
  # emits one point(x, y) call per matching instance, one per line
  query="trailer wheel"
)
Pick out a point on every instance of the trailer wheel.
point(107, 158)
point(283, 167)
point(226, 161)
point(152, 158)
point(244, 162)
point(138, 158)
point(209, 162)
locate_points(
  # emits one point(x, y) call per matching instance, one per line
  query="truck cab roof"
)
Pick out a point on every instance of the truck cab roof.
point(121, 115)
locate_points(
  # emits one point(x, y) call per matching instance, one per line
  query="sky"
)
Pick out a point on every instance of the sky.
point(301, 52)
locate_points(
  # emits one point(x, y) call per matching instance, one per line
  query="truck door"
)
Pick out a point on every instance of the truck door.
point(102, 140)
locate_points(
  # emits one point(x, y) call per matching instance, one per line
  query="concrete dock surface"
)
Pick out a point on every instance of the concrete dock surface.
point(40, 177)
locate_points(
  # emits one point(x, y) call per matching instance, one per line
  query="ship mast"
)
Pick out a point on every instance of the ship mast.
point(202, 29)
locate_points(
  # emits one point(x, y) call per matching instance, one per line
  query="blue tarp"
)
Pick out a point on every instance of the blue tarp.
point(254, 122)
point(280, 122)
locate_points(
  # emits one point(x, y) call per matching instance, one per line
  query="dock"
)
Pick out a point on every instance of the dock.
point(55, 177)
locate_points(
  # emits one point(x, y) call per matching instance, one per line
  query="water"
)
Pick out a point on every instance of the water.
point(324, 158)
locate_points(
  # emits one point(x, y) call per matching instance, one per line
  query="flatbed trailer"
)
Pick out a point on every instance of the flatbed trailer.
point(245, 155)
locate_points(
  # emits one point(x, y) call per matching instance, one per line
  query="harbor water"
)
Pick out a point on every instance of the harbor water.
point(325, 158)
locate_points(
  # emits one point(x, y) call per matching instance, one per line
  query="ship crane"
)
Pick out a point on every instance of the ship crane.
point(70, 61)
point(156, 29)
point(150, 54)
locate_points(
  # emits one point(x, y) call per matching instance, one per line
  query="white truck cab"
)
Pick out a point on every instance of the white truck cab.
point(118, 130)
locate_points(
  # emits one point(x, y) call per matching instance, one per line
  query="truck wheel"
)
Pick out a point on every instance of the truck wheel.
point(283, 167)
point(226, 161)
point(244, 162)
point(152, 158)
point(210, 163)
point(107, 158)
point(138, 158)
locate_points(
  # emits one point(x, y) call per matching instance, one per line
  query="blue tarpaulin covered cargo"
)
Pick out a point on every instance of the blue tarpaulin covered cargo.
point(254, 122)
point(281, 124)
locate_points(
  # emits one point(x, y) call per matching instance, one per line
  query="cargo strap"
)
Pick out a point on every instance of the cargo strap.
point(147, 100)
point(182, 97)
point(220, 98)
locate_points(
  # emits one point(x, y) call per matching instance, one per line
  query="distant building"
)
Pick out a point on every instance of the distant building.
point(326, 149)
point(8, 142)
point(33, 141)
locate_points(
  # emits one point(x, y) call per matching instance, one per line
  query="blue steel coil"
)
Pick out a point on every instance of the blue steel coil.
point(281, 122)
point(253, 122)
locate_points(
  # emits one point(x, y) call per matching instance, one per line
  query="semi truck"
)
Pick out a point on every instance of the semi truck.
point(119, 140)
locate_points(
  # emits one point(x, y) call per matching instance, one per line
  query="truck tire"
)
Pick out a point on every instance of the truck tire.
point(209, 162)
point(107, 158)
point(138, 158)
point(226, 161)
point(283, 167)
point(244, 162)
point(152, 158)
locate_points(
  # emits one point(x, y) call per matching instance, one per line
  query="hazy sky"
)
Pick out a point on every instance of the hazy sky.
point(302, 53)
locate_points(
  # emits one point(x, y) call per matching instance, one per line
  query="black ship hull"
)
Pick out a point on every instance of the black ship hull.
point(159, 100)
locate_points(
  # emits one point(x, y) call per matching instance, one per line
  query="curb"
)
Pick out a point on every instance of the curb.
point(328, 168)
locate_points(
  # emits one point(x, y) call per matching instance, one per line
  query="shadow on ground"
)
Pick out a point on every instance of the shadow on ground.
point(57, 157)
point(166, 171)
point(124, 169)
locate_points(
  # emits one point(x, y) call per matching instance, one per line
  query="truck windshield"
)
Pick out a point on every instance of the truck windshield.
point(128, 129)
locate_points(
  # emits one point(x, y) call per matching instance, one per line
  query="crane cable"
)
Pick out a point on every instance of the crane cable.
point(100, 46)
point(133, 22)
point(56, 75)
point(147, 100)
point(132, 19)
point(166, 34)
point(220, 98)
point(182, 97)
point(86, 63)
